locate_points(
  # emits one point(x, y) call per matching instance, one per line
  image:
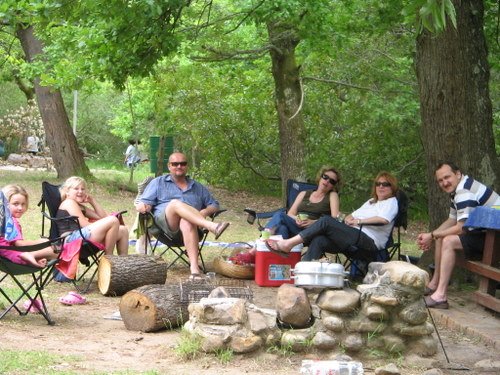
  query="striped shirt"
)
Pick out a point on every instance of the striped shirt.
point(468, 195)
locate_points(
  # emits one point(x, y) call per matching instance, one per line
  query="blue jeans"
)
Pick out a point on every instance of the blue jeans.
point(283, 224)
point(76, 234)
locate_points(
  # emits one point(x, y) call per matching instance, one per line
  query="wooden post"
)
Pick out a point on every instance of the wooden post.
point(153, 307)
point(118, 274)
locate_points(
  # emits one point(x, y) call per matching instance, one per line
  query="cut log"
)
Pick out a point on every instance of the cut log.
point(151, 308)
point(118, 275)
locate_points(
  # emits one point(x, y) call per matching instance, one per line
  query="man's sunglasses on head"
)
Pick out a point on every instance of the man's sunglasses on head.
point(178, 163)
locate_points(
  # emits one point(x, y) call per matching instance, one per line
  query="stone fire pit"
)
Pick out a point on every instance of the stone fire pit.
point(386, 312)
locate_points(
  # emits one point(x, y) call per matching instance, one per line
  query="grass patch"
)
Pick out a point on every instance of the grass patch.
point(189, 346)
point(30, 362)
point(224, 356)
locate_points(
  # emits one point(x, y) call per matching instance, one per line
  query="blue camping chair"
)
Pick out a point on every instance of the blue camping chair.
point(293, 188)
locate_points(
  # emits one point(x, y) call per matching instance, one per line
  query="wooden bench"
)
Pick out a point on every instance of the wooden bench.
point(488, 270)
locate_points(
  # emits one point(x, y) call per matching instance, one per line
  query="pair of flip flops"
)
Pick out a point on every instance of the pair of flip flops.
point(34, 308)
point(73, 298)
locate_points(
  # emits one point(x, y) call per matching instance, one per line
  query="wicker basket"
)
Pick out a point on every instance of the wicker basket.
point(235, 271)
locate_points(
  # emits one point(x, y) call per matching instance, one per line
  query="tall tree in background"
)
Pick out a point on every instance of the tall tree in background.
point(67, 157)
point(456, 111)
point(284, 38)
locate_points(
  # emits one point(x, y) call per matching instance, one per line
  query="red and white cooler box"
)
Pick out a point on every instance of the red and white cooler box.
point(272, 269)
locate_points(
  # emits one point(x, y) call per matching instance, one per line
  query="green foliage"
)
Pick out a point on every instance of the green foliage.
point(17, 125)
point(95, 109)
point(431, 15)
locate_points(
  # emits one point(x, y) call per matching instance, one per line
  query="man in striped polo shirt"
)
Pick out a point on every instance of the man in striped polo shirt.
point(466, 194)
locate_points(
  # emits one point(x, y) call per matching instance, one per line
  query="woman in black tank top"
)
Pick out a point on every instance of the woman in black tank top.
point(309, 206)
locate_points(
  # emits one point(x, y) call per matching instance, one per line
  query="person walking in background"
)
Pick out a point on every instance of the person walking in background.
point(180, 205)
point(450, 238)
point(32, 144)
point(132, 155)
point(312, 204)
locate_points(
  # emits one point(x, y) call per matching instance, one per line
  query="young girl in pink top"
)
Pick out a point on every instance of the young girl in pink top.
point(18, 204)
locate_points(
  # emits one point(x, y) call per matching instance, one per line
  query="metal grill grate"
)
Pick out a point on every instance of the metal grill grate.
point(194, 291)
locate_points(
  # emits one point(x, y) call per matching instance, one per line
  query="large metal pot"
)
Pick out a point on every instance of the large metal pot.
point(319, 274)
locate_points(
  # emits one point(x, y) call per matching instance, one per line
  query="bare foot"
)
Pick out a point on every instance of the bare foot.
point(30, 259)
point(277, 247)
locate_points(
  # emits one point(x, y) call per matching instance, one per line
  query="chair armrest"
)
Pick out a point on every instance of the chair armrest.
point(217, 213)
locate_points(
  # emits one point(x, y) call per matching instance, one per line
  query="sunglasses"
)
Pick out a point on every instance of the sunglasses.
point(179, 163)
point(384, 184)
point(330, 180)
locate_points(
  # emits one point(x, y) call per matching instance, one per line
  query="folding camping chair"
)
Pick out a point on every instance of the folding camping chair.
point(89, 254)
point(358, 268)
point(39, 277)
point(151, 229)
point(293, 188)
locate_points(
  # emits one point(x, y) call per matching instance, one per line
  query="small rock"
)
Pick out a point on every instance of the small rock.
point(433, 371)
point(488, 365)
point(390, 369)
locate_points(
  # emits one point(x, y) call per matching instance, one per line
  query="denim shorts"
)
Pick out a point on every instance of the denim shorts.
point(75, 235)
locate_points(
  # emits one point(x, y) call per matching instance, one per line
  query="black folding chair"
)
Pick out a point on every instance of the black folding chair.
point(358, 267)
point(89, 255)
point(32, 287)
point(152, 230)
point(293, 188)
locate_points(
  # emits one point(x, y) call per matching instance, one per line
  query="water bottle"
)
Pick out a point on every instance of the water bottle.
point(311, 367)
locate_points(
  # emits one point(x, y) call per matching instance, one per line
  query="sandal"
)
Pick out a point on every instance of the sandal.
point(196, 277)
point(73, 298)
point(431, 303)
point(221, 227)
point(273, 247)
point(33, 306)
point(428, 291)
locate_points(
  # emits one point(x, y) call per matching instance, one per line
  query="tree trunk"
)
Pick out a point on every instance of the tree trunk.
point(153, 307)
point(67, 157)
point(288, 95)
point(117, 274)
point(456, 111)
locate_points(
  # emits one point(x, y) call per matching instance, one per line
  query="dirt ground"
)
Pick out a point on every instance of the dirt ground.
point(90, 343)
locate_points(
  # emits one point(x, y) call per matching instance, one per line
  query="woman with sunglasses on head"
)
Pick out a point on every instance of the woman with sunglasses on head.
point(311, 204)
point(365, 231)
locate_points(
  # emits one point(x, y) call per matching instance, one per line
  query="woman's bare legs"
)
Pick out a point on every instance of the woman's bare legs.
point(105, 231)
point(122, 243)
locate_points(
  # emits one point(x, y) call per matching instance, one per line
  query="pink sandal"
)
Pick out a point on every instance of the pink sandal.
point(73, 298)
point(35, 307)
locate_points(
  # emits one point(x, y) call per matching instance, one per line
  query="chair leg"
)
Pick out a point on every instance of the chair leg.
point(39, 281)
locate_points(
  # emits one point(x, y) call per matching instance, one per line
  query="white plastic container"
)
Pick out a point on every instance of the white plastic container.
point(319, 274)
point(311, 367)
